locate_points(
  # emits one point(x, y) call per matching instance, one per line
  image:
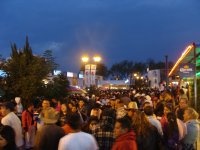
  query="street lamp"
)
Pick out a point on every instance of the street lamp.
point(90, 70)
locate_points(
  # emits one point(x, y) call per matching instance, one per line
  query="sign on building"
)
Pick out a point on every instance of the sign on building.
point(186, 70)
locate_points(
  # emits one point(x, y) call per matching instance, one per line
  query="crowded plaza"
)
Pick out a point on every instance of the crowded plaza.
point(143, 119)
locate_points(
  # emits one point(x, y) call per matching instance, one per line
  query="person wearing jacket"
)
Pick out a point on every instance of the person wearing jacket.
point(192, 123)
point(125, 137)
point(29, 126)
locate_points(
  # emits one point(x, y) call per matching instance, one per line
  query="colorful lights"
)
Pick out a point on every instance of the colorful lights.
point(187, 50)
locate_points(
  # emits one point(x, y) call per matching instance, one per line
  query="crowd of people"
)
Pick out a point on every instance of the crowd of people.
point(142, 119)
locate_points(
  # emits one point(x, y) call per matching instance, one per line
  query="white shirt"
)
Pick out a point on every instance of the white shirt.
point(12, 120)
point(78, 141)
point(156, 124)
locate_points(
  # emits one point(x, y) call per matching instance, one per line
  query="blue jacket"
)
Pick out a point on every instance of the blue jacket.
point(192, 131)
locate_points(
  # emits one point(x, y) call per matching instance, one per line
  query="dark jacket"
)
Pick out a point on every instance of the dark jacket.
point(125, 142)
point(47, 138)
point(150, 142)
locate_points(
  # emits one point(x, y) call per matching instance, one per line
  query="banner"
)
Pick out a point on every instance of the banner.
point(186, 70)
point(93, 74)
point(87, 75)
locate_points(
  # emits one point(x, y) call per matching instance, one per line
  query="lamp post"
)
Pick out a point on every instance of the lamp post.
point(90, 70)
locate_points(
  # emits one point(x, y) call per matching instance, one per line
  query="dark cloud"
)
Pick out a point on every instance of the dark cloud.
point(117, 30)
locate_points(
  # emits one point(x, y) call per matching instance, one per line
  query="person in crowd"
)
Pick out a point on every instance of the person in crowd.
point(82, 109)
point(29, 126)
point(147, 136)
point(171, 132)
point(159, 110)
point(48, 136)
point(77, 140)
point(148, 110)
point(183, 104)
point(132, 107)
point(192, 124)
point(19, 107)
point(96, 111)
point(7, 138)
point(164, 122)
point(104, 133)
point(63, 115)
point(125, 137)
point(120, 110)
point(11, 119)
point(91, 125)
point(45, 106)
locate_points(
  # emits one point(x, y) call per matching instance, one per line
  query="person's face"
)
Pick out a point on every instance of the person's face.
point(31, 108)
point(4, 111)
point(95, 112)
point(63, 108)
point(81, 103)
point(166, 111)
point(92, 125)
point(45, 104)
point(186, 116)
point(70, 105)
point(182, 103)
point(3, 142)
point(73, 109)
point(118, 130)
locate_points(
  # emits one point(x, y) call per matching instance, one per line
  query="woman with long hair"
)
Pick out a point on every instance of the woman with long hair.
point(171, 132)
point(147, 136)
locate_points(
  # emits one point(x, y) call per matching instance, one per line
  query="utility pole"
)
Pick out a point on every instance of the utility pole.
point(166, 70)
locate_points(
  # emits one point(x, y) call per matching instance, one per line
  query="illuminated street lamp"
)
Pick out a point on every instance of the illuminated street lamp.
point(90, 70)
point(85, 59)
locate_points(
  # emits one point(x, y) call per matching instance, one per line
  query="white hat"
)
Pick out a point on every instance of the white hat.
point(137, 95)
point(17, 100)
point(132, 105)
point(148, 97)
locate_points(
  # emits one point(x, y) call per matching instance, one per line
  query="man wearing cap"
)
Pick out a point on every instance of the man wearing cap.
point(132, 107)
point(11, 119)
point(48, 135)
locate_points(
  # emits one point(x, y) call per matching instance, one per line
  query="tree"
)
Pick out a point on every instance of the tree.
point(124, 69)
point(50, 60)
point(57, 88)
point(25, 73)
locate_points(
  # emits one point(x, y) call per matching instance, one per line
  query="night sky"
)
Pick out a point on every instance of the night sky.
point(115, 29)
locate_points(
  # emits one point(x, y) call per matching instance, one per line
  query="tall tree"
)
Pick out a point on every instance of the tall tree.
point(25, 72)
point(50, 60)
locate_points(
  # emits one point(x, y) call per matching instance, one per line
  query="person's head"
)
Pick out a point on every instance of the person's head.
point(45, 104)
point(93, 121)
point(141, 123)
point(81, 103)
point(148, 110)
point(7, 138)
point(122, 126)
point(73, 109)
point(74, 121)
point(190, 114)
point(30, 107)
point(132, 107)
point(167, 109)
point(70, 105)
point(6, 108)
point(183, 103)
point(64, 108)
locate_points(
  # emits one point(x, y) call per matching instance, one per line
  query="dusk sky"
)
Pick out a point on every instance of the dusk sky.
point(115, 29)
